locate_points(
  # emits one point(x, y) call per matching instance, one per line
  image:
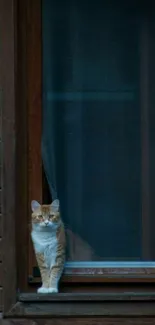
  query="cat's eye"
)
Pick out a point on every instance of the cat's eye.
point(51, 215)
point(55, 218)
point(39, 216)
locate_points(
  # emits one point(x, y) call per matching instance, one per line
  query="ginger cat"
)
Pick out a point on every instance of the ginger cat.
point(48, 237)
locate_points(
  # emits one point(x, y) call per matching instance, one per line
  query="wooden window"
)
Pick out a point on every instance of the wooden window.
point(30, 176)
point(108, 308)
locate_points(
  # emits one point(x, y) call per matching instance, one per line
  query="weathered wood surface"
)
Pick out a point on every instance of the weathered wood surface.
point(0, 200)
point(81, 321)
point(7, 85)
point(87, 297)
point(28, 126)
point(1, 299)
point(34, 111)
point(1, 248)
point(83, 309)
point(0, 176)
point(1, 225)
point(22, 148)
point(1, 271)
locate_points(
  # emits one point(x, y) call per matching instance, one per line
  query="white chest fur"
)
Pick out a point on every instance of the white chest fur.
point(45, 243)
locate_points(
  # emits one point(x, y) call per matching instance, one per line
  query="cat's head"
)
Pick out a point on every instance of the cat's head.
point(45, 216)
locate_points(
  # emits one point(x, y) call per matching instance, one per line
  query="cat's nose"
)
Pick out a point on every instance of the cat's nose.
point(46, 222)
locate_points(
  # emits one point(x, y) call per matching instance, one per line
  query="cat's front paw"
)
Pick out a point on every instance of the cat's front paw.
point(42, 290)
point(52, 290)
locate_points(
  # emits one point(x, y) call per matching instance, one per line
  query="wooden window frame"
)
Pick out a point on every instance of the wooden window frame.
point(33, 72)
point(17, 92)
point(29, 119)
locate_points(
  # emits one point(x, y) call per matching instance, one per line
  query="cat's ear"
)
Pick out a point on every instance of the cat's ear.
point(34, 205)
point(55, 205)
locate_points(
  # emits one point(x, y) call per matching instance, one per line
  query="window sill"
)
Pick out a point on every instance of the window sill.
point(126, 304)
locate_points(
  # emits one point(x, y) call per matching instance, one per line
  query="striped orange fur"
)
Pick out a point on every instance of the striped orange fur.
point(48, 237)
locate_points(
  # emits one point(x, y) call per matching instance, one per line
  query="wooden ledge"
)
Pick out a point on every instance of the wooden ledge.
point(127, 304)
point(89, 297)
point(93, 320)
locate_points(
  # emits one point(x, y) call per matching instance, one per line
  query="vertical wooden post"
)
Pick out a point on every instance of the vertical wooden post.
point(34, 108)
point(7, 85)
point(28, 125)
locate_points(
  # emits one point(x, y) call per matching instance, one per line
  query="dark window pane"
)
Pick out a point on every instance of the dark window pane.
point(92, 125)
